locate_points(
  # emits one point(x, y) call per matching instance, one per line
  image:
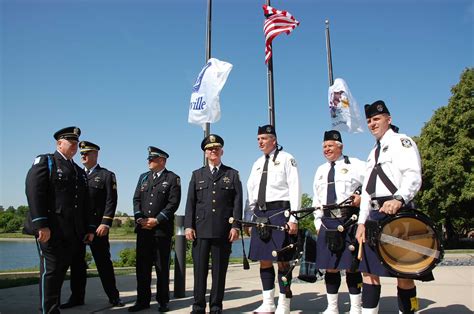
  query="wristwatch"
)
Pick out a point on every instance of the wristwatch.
point(399, 198)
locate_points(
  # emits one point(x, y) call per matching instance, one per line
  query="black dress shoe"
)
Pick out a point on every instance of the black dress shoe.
point(71, 303)
point(117, 302)
point(163, 308)
point(138, 307)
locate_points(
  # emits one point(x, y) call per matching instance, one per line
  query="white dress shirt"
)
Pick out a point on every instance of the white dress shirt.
point(283, 182)
point(347, 178)
point(400, 161)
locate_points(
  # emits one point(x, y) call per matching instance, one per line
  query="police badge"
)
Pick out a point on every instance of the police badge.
point(226, 180)
point(406, 142)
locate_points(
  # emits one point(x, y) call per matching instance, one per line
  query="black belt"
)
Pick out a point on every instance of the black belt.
point(342, 212)
point(276, 205)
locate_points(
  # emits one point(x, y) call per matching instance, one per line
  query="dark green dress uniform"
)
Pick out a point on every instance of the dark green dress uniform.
point(212, 200)
point(155, 198)
point(103, 199)
point(57, 195)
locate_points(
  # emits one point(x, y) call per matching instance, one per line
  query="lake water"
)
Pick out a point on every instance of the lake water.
point(16, 254)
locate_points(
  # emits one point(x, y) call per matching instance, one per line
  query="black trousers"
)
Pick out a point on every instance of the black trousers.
point(55, 258)
point(100, 248)
point(153, 251)
point(219, 250)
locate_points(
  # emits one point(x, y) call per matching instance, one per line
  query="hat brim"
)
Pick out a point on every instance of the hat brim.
point(212, 145)
point(69, 137)
point(151, 157)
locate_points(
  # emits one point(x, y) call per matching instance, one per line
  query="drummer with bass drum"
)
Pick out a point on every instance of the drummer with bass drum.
point(334, 182)
point(392, 178)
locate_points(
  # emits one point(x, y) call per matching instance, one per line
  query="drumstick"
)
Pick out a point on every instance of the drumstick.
point(359, 253)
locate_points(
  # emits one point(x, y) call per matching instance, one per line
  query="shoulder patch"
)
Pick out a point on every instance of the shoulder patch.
point(114, 180)
point(178, 181)
point(406, 142)
point(37, 160)
point(293, 162)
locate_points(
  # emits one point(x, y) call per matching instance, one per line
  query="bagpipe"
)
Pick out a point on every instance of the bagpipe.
point(305, 249)
point(262, 226)
point(258, 224)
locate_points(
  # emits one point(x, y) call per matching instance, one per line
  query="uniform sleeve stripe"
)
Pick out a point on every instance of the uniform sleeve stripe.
point(107, 217)
point(39, 218)
point(164, 216)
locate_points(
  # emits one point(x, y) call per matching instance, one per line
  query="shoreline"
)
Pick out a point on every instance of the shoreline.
point(31, 239)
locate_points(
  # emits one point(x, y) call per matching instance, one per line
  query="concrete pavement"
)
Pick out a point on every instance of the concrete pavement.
point(451, 292)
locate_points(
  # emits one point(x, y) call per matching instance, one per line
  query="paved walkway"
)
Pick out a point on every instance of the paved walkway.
point(451, 292)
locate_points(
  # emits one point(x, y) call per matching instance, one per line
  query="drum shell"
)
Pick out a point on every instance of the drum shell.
point(408, 244)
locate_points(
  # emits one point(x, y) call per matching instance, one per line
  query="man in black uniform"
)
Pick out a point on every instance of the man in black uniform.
point(103, 199)
point(156, 199)
point(214, 195)
point(60, 216)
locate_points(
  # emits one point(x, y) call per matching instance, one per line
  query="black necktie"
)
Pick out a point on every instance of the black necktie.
point(331, 196)
point(88, 171)
point(214, 171)
point(155, 175)
point(373, 175)
point(262, 189)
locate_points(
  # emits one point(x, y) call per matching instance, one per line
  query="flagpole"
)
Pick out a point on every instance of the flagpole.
point(271, 98)
point(207, 131)
point(329, 56)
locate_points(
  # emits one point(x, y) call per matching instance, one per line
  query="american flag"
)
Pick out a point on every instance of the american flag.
point(277, 22)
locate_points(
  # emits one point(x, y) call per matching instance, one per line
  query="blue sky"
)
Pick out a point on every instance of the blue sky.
point(123, 70)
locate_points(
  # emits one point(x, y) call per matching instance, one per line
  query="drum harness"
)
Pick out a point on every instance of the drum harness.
point(371, 226)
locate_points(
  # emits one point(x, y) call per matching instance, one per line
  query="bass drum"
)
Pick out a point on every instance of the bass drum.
point(408, 244)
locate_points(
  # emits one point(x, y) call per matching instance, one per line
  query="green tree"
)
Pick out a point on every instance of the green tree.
point(116, 223)
point(446, 145)
point(5, 217)
point(307, 222)
point(127, 258)
point(14, 224)
point(22, 210)
point(129, 223)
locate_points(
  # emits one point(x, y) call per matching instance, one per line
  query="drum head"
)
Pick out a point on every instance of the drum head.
point(408, 246)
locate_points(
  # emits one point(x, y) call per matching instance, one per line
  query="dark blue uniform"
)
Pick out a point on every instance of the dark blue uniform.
point(155, 198)
point(103, 199)
point(57, 195)
point(212, 200)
